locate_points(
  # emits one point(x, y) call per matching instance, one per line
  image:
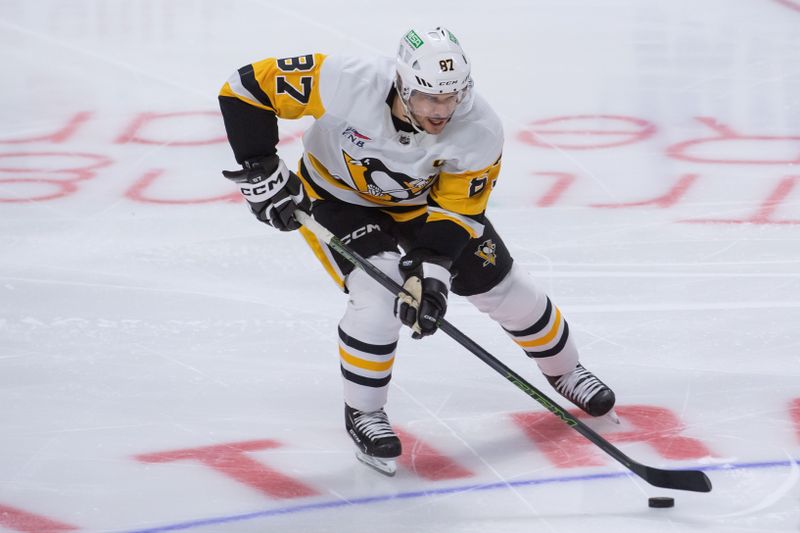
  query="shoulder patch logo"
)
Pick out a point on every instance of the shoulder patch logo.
point(486, 251)
point(352, 135)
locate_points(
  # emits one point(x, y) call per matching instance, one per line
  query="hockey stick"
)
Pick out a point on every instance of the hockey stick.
point(691, 480)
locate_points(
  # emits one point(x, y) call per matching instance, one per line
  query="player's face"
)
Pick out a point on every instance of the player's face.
point(433, 111)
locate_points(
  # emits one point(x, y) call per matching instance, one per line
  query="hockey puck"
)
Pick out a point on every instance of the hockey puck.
point(661, 502)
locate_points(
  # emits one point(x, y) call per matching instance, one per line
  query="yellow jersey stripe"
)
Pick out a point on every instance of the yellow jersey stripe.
point(435, 216)
point(364, 364)
point(316, 247)
point(307, 187)
point(547, 338)
point(228, 91)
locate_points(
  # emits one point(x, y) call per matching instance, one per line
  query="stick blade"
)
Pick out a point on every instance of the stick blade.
point(691, 480)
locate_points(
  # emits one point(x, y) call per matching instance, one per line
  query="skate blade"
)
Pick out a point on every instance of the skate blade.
point(387, 467)
point(611, 416)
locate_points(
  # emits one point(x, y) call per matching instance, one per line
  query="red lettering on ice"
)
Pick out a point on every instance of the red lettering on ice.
point(726, 146)
point(138, 193)
point(794, 412)
point(764, 213)
point(655, 426)
point(563, 182)
point(58, 173)
point(162, 129)
point(19, 520)
point(586, 132)
point(60, 135)
point(426, 462)
point(668, 199)
point(232, 461)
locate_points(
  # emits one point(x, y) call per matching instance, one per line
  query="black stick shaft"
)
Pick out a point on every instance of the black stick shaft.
point(691, 480)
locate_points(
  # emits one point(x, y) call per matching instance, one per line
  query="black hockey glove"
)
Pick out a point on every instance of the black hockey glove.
point(427, 279)
point(272, 191)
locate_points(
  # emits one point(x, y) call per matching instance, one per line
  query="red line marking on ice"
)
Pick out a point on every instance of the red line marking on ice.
point(19, 520)
point(231, 461)
point(426, 462)
point(791, 4)
point(794, 412)
point(288, 138)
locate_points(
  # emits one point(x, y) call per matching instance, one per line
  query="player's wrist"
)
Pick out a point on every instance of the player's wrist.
point(423, 263)
point(435, 272)
point(267, 164)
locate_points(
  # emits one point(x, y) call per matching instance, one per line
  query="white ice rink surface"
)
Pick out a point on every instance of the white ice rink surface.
point(168, 364)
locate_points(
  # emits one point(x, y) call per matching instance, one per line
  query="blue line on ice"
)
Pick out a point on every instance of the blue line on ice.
point(291, 509)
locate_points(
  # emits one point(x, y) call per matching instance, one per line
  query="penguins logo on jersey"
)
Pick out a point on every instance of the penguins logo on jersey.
point(486, 251)
point(372, 177)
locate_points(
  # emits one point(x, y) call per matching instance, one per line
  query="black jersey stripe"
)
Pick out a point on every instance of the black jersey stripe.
point(375, 349)
point(401, 208)
point(367, 382)
point(538, 326)
point(248, 77)
point(555, 350)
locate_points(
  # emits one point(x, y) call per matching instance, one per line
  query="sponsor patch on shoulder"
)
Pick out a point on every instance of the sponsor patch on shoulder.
point(353, 135)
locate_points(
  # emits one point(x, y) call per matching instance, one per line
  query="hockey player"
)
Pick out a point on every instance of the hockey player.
point(403, 155)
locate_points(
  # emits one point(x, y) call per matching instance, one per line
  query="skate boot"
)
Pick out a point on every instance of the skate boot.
point(377, 442)
point(582, 388)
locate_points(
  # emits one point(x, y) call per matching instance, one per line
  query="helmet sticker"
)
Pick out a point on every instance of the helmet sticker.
point(452, 37)
point(413, 39)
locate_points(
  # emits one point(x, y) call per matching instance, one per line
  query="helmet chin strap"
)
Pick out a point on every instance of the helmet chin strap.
point(398, 87)
point(410, 116)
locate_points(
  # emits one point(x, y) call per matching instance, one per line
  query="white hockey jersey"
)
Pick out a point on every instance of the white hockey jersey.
point(354, 152)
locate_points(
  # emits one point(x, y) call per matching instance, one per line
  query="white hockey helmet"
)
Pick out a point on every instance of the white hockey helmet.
point(431, 62)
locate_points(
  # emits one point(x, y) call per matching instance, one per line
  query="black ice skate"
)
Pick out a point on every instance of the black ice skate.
point(377, 442)
point(582, 388)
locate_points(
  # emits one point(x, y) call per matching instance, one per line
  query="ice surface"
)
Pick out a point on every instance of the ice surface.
point(649, 184)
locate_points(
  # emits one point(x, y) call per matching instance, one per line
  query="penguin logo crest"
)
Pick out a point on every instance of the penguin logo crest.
point(487, 251)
